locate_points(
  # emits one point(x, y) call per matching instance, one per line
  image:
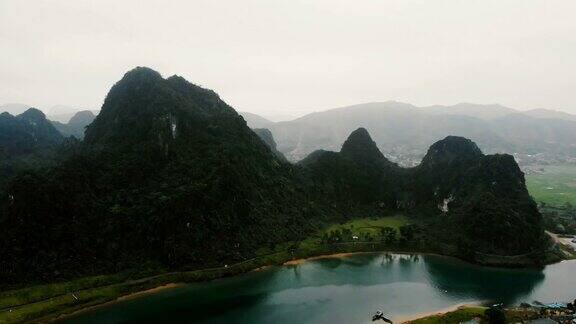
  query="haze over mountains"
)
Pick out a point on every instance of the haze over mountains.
point(59, 113)
point(403, 131)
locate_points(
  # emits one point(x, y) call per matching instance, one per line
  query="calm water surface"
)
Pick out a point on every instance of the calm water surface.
point(342, 290)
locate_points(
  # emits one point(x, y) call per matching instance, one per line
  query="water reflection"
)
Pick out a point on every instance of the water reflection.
point(461, 279)
point(340, 290)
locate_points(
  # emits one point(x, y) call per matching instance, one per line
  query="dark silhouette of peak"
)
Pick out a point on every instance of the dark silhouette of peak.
point(76, 125)
point(83, 118)
point(360, 146)
point(313, 157)
point(141, 73)
point(32, 114)
point(450, 149)
point(27, 137)
point(145, 107)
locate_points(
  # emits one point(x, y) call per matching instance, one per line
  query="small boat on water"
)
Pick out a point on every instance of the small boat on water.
point(380, 316)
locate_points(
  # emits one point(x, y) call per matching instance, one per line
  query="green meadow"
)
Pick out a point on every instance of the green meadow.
point(556, 185)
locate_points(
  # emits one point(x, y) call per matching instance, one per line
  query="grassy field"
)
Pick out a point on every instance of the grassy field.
point(358, 227)
point(556, 185)
point(372, 226)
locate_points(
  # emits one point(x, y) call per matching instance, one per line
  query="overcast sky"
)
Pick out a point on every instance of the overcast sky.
point(291, 57)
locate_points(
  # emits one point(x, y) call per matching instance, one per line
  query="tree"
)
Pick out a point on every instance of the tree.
point(495, 314)
point(407, 232)
point(388, 234)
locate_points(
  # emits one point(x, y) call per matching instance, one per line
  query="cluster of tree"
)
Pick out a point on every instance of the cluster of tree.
point(387, 234)
point(495, 314)
point(559, 219)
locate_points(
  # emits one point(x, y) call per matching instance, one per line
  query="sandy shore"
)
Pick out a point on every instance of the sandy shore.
point(346, 254)
point(324, 256)
point(413, 317)
point(146, 292)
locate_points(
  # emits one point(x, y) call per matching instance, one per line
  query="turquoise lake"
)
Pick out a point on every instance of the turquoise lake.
point(342, 290)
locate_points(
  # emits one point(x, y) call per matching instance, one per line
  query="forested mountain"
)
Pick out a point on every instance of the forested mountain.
point(404, 132)
point(26, 140)
point(359, 180)
point(483, 198)
point(76, 125)
point(169, 176)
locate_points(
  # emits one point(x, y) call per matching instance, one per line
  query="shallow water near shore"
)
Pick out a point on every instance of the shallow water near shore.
point(342, 290)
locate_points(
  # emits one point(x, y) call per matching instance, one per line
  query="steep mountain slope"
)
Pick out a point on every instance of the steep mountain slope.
point(76, 125)
point(255, 121)
point(358, 179)
point(266, 136)
point(168, 175)
point(484, 197)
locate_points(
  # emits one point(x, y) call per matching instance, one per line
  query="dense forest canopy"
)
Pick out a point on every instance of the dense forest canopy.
point(169, 175)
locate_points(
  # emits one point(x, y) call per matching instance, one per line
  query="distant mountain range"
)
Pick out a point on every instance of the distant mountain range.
point(59, 113)
point(403, 131)
point(76, 125)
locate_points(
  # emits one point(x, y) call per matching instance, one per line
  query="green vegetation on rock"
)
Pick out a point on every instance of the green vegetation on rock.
point(170, 177)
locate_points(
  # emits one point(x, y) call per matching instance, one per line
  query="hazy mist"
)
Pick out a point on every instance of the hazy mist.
point(287, 58)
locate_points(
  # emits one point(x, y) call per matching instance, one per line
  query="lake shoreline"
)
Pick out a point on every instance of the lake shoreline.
point(173, 279)
point(134, 295)
point(441, 312)
point(142, 293)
